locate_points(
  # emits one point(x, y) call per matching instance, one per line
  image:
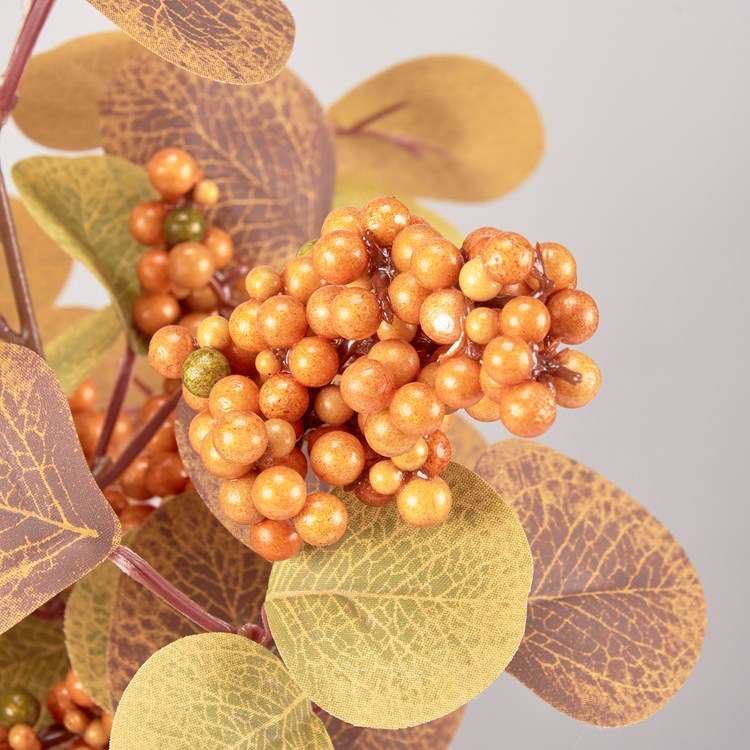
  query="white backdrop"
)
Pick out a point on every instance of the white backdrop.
point(646, 108)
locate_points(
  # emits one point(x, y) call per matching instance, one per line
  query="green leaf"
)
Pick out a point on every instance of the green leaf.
point(397, 626)
point(83, 204)
point(87, 618)
point(32, 655)
point(216, 690)
point(354, 191)
point(77, 351)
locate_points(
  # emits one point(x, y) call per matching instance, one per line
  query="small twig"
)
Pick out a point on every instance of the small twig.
point(225, 301)
point(116, 401)
point(143, 386)
point(8, 334)
point(379, 115)
point(29, 334)
point(139, 570)
point(54, 735)
point(53, 610)
point(110, 474)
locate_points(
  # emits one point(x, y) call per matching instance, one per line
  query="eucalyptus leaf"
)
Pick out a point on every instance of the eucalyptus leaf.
point(396, 626)
point(77, 351)
point(83, 204)
point(216, 690)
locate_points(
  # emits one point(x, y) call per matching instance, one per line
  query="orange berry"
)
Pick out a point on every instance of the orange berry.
point(345, 218)
point(236, 500)
point(322, 520)
point(337, 457)
point(201, 424)
point(300, 279)
point(146, 222)
point(282, 397)
point(219, 244)
point(234, 393)
point(191, 265)
point(508, 360)
point(574, 315)
point(320, 311)
point(282, 321)
point(367, 385)
point(384, 437)
point(399, 357)
point(314, 361)
point(424, 502)
point(77, 694)
point(442, 314)
point(217, 465)
point(152, 271)
point(83, 397)
point(153, 311)
point(528, 410)
point(436, 263)
point(330, 406)
point(173, 172)
point(575, 395)
point(244, 329)
point(340, 257)
point(457, 382)
point(385, 477)
point(275, 540)
point(240, 437)
point(407, 296)
point(525, 317)
point(385, 217)
point(168, 349)
point(213, 332)
point(279, 493)
point(416, 409)
point(508, 258)
point(407, 240)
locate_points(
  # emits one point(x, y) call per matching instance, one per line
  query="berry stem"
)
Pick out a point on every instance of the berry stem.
point(142, 385)
point(54, 735)
point(106, 476)
point(226, 302)
point(139, 570)
point(116, 400)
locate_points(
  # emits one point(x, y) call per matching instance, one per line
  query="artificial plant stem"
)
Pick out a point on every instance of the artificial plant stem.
point(32, 25)
point(138, 569)
point(116, 401)
point(138, 443)
point(22, 50)
point(29, 335)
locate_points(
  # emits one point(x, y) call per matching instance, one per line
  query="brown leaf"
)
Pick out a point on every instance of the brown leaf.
point(220, 39)
point(205, 482)
point(467, 443)
point(269, 147)
point(435, 735)
point(184, 543)
point(55, 524)
point(47, 267)
point(617, 614)
point(59, 94)
point(445, 127)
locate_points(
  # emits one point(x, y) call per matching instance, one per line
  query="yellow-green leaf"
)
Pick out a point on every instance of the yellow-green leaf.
point(445, 126)
point(617, 613)
point(80, 347)
point(32, 656)
point(396, 626)
point(352, 190)
point(83, 204)
point(59, 93)
point(216, 690)
point(192, 550)
point(223, 40)
point(87, 616)
point(55, 524)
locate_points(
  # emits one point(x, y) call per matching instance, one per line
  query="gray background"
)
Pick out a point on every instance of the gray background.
point(646, 109)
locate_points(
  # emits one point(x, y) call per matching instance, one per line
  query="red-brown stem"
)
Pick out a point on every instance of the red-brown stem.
point(29, 334)
point(54, 735)
point(226, 302)
point(116, 401)
point(139, 570)
point(138, 443)
point(363, 123)
point(138, 383)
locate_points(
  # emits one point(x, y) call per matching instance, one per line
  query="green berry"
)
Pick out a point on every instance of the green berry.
point(307, 248)
point(203, 369)
point(184, 225)
point(18, 706)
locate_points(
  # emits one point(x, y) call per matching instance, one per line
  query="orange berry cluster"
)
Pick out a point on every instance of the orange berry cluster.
point(360, 349)
point(183, 251)
point(158, 472)
point(69, 705)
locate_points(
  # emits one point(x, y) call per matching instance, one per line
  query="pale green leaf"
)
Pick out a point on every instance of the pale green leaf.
point(397, 626)
point(215, 690)
point(77, 351)
point(83, 204)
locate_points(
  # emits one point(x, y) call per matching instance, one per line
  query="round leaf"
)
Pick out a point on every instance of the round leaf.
point(87, 619)
point(60, 89)
point(396, 626)
point(205, 482)
point(220, 39)
point(269, 148)
point(187, 546)
point(216, 691)
point(55, 523)
point(32, 655)
point(467, 443)
point(81, 346)
point(83, 204)
point(435, 735)
point(47, 268)
point(445, 127)
point(617, 614)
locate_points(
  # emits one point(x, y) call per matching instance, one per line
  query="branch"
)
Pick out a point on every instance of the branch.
point(116, 401)
point(139, 570)
point(29, 334)
point(111, 474)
